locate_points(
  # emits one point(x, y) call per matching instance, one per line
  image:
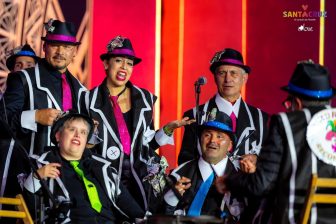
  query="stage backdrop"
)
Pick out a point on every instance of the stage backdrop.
point(177, 39)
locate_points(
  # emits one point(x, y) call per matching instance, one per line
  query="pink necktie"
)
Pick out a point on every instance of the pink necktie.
point(234, 121)
point(122, 127)
point(67, 97)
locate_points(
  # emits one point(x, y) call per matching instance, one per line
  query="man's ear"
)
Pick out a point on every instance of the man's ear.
point(230, 148)
point(298, 103)
point(245, 78)
point(57, 136)
point(44, 47)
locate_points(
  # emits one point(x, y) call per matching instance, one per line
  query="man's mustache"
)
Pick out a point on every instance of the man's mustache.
point(59, 57)
point(213, 145)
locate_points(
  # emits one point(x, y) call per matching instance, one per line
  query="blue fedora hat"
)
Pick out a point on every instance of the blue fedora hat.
point(219, 121)
point(24, 50)
point(310, 81)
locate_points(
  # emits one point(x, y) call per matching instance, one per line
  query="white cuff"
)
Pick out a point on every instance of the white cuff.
point(163, 139)
point(32, 184)
point(28, 120)
point(171, 198)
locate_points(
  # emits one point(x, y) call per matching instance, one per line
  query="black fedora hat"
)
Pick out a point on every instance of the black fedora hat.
point(310, 81)
point(24, 50)
point(120, 46)
point(60, 32)
point(219, 121)
point(63, 118)
point(228, 56)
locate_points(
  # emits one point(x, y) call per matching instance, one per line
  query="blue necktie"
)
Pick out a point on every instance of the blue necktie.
point(196, 205)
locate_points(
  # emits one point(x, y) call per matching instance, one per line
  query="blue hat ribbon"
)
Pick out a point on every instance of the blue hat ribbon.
point(25, 53)
point(219, 125)
point(311, 93)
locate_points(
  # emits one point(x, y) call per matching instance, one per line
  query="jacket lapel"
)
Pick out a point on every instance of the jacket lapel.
point(76, 90)
point(99, 168)
point(101, 104)
point(43, 83)
point(244, 123)
point(140, 105)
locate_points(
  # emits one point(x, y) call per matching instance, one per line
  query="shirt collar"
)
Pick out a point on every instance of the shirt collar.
point(206, 170)
point(227, 107)
point(54, 72)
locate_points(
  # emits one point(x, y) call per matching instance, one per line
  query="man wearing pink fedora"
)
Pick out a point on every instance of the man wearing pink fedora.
point(36, 96)
point(249, 123)
point(230, 75)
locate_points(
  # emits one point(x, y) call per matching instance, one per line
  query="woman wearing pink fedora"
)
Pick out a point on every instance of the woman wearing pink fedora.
point(125, 115)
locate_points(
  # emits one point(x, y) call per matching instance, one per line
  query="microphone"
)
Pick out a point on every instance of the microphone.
point(201, 81)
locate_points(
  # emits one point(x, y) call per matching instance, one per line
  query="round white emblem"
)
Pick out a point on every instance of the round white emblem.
point(321, 135)
point(113, 153)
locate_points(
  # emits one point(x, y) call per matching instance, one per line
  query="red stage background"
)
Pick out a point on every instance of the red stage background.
point(191, 31)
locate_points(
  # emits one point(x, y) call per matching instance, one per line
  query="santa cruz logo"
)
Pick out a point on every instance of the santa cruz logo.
point(304, 13)
point(321, 135)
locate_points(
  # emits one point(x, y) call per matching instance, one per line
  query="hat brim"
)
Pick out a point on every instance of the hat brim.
point(108, 56)
point(287, 89)
point(59, 123)
point(214, 66)
point(232, 136)
point(60, 41)
point(10, 62)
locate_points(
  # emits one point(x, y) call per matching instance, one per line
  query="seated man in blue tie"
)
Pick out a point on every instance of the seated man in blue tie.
point(194, 193)
point(75, 175)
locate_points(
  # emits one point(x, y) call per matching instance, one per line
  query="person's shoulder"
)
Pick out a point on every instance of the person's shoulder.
point(255, 109)
point(143, 90)
point(186, 166)
point(18, 76)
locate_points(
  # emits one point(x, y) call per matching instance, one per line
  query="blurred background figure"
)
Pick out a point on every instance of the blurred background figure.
point(19, 58)
point(286, 161)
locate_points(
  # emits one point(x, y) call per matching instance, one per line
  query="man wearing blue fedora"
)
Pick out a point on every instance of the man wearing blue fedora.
point(19, 58)
point(287, 162)
point(249, 123)
point(194, 192)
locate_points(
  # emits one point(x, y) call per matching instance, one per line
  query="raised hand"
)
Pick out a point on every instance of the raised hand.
point(171, 126)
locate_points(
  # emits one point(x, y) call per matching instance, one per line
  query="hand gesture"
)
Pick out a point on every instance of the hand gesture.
point(171, 126)
point(50, 170)
point(182, 185)
point(47, 116)
point(248, 163)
